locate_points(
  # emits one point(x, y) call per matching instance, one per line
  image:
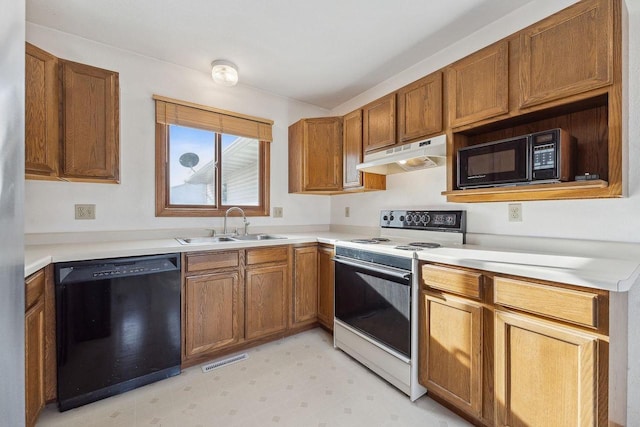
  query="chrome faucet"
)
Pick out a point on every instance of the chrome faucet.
point(244, 219)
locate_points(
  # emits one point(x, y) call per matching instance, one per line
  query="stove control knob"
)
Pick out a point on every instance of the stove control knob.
point(391, 218)
point(385, 218)
point(402, 218)
point(425, 219)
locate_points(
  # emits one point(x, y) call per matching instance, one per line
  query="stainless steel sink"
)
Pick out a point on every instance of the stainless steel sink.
point(203, 240)
point(258, 237)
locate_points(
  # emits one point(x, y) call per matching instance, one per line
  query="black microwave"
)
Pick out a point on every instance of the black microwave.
point(540, 157)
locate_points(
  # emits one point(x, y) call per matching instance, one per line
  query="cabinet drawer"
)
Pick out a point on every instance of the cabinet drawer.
point(452, 280)
point(211, 260)
point(34, 288)
point(271, 254)
point(579, 307)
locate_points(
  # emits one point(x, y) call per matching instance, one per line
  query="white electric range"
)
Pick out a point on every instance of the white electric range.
point(376, 291)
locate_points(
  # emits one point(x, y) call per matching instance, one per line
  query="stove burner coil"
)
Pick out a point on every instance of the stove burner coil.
point(365, 241)
point(429, 245)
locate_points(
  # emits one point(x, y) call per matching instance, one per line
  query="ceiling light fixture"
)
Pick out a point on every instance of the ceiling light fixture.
point(224, 73)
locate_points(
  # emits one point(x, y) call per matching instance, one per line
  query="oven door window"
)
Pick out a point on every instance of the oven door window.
point(376, 304)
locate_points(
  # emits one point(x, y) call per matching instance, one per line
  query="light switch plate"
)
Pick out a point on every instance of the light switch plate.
point(277, 212)
point(85, 211)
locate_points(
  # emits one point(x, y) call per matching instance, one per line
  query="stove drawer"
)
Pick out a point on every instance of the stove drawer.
point(453, 280)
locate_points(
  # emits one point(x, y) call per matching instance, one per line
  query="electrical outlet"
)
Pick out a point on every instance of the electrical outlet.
point(85, 211)
point(277, 212)
point(347, 211)
point(515, 212)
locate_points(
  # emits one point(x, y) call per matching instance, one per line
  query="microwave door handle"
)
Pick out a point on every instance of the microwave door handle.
point(393, 273)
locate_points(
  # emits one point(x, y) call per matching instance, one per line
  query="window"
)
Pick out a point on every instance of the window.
point(208, 160)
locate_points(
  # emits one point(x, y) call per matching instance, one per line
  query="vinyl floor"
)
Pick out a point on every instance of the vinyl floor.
point(299, 381)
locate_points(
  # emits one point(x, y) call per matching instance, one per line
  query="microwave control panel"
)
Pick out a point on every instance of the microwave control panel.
point(544, 147)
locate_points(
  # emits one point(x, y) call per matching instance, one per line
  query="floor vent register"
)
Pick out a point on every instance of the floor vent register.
point(224, 362)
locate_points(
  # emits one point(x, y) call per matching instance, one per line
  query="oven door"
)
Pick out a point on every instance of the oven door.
point(496, 163)
point(375, 300)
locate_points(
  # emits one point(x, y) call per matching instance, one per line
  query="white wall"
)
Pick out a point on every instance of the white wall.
point(12, 395)
point(568, 219)
point(130, 205)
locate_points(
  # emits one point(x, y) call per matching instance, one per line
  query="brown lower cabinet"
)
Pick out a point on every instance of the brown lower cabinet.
point(305, 285)
point(266, 305)
point(215, 315)
point(34, 331)
point(240, 298)
point(512, 351)
point(452, 361)
point(546, 374)
point(325, 285)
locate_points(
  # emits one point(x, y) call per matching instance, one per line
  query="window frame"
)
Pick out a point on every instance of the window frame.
point(163, 206)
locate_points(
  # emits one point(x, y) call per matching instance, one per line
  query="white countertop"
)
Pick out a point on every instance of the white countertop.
point(39, 256)
point(603, 265)
point(617, 275)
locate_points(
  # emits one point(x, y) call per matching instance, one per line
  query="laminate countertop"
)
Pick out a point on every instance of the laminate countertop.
point(39, 256)
point(610, 266)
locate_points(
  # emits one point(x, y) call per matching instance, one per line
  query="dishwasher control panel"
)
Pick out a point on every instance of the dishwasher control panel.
point(73, 272)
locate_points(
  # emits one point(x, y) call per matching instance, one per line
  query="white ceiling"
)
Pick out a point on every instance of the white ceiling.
point(320, 52)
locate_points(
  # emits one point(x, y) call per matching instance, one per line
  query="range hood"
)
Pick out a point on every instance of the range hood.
point(423, 154)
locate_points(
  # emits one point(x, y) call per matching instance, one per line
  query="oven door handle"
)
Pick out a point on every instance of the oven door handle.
point(400, 274)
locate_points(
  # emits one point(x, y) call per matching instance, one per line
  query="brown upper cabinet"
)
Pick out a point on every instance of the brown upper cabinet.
point(352, 178)
point(479, 85)
point(41, 98)
point(352, 149)
point(315, 155)
point(567, 54)
point(379, 123)
point(90, 123)
point(564, 71)
point(71, 120)
point(420, 108)
point(323, 154)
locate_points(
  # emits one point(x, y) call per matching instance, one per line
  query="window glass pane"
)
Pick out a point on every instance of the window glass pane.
point(240, 171)
point(191, 166)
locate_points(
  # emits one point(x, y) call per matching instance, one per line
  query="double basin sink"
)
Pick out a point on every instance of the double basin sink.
point(220, 239)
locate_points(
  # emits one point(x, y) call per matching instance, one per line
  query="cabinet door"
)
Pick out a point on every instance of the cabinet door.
point(379, 123)
point(213, 312)
point(450, 351)
point(420, 108)
point(34, 362)
point(568, 53)
point(325, 286)
point(352, 149)
point(546, 375)
point(479, 85)
point(323, 154)
point(41, 114)
point(90, 123)
point(305, 286)
point(266, 300)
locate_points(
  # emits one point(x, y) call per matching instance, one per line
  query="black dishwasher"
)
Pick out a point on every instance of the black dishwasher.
point(117, 325)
